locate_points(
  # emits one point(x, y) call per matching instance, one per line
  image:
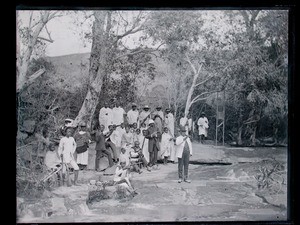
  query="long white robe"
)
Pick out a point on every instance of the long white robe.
point(202, 126)
point(145, 148)
point(169, 123)
point(132, 116)
point(166, 144)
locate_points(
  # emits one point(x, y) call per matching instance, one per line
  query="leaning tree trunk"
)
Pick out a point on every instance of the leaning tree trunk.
point(97, 70)
point(23, 61)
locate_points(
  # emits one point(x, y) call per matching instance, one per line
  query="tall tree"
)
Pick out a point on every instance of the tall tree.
point(109, 32)
point(30, 37)
point(256, 74)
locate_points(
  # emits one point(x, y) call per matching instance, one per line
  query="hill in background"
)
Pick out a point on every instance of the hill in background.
point(72, 70)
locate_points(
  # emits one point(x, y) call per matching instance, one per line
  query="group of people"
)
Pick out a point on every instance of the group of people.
point(133, 140)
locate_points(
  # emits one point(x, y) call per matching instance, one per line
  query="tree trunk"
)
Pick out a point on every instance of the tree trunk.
point(23, 61)
point(239, 136)
point(191, 90)
point(239, 140)
point(97, 70)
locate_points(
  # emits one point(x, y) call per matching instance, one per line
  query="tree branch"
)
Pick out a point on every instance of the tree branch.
point(45, 39)
point(207, 79)
point(31, 79)
point(197, 98)
point(51, 40)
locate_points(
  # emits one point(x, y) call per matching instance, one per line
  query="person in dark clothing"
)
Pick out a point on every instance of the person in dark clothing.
point(101, 148)
point(153, 135)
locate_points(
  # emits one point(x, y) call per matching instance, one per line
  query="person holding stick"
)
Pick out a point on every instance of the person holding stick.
point(66, 149)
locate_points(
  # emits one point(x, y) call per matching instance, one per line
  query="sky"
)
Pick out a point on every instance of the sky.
point(67, 39)
point(67, 35)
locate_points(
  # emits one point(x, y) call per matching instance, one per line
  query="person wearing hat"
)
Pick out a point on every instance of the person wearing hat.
point(133, 115)
point(153, 135)
point(202, 127)
point(158, 117)
point(184, 151)
point(145, 116)
point(82, 138)
point(169, 123)
point(66, 149)
point(67, 123)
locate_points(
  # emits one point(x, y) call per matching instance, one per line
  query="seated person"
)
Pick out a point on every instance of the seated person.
point(52, 159)
point(127, 139)
point(52, 162)
point(124, 155)
point(122, 177)
point(136, 157)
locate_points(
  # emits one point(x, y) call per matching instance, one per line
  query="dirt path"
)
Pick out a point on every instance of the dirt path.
point(217, 192)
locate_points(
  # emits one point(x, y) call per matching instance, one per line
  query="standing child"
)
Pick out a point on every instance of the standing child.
point(184, 151)
point(82, 138)
point(166, 145)
point(66, 149)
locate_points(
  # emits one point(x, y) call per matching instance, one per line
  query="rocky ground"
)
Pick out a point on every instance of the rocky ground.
point(223, 188)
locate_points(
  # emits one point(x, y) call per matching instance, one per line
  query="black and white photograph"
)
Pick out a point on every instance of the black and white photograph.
point(147, 115)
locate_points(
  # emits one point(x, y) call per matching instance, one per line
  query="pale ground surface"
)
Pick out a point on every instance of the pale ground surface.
point(217, 192)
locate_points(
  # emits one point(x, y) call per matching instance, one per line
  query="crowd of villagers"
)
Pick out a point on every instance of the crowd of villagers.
point(132, 141)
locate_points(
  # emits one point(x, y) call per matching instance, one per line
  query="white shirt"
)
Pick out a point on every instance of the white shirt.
point(183, 121)
point(67, 146)
point(51, 159)
point(118, 115)
point(105, 117)
point(180, 142)
point(132, 116)
point(203, 122)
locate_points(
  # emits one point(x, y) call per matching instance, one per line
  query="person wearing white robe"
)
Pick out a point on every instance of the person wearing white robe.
point(118, 114)
point(105, 116)
point(133, 115)
point(144, 145)
point(165, 146)
point(202, 127)
point(66, 149)
point(127, 139)
point(169, 123)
